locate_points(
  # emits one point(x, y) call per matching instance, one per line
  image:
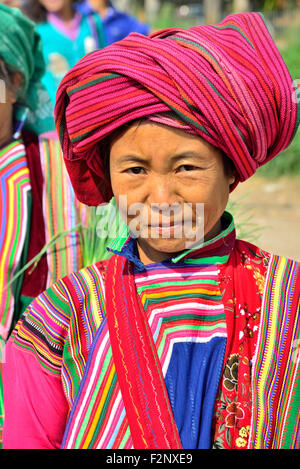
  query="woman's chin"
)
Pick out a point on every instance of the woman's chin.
point(160, 243)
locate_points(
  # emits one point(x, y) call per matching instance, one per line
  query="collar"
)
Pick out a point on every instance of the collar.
point(70, 31)
point(214, 251)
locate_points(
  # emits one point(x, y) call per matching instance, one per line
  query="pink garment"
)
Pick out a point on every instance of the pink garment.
point(51, 135)
point(39, 397)
point(72, 31)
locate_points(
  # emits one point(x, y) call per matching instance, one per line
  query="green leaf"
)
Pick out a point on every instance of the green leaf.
point(218, 443)
point(228, 437)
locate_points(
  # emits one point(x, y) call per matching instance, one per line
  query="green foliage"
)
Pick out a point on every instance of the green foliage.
point(270, 5)
point(103, 226)
point(168, 18)
point(246, 229)
point(165, 18)
point(288, 161)
point(274, 5)
point(35, 260)
point(290, 52)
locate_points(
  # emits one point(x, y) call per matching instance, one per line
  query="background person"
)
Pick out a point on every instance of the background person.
point(66, 34)
point(36, 199)
point(117, 24)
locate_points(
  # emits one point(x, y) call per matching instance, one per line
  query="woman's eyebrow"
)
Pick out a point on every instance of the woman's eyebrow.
point(132, 159)
point(138, 159)
point(188, 154)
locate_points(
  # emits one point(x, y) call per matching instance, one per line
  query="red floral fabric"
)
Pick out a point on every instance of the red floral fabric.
point(242, 281)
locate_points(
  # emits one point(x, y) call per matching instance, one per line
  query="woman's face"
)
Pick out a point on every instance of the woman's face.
point(162, 178)
point(12, 3)
point(6, 106)
point(54, 6)
point(8, 98)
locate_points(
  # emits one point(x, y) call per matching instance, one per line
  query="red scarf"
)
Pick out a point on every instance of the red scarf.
point(144, 392)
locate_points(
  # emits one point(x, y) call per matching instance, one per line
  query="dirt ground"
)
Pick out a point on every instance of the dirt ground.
point(274, 207)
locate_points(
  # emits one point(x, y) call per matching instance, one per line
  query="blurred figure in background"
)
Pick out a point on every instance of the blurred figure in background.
point(36, 199)
point(12, 3)
point(117, 24)
point(67, 35)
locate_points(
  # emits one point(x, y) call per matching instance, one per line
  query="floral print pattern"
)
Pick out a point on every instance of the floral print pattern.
point(231, 372)
point(242, 281)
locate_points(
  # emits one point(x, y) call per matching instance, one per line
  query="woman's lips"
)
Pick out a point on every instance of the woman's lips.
point(166, 228)
point(168, 224)
point(165, 225)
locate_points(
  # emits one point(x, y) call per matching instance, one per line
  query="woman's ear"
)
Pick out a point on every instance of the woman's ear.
point(233, 181)
point(232, 178)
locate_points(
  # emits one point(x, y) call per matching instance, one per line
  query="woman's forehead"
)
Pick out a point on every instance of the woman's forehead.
point(150, 139)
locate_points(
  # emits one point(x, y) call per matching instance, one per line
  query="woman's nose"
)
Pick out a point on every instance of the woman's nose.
point(161, 191)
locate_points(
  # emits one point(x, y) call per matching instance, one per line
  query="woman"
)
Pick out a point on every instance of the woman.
point(117, 24)
point(67, 35)
point(172, 342)
point(36, 200)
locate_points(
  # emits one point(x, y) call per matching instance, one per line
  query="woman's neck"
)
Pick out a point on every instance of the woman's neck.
point(67, 13)
point(149, 255)
point(217, 228)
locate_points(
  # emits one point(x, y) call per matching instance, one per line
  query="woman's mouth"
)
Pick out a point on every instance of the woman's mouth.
point(166, 229)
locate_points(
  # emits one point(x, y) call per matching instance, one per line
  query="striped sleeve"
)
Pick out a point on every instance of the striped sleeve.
point(43, 328)
point(276, 365)
point(35, 404)
point(46, 357)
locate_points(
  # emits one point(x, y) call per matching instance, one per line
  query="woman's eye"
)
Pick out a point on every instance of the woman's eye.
point(187, 167)
point(135, 170)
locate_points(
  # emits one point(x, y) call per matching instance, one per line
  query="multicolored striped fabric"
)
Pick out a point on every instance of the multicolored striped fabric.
point(276, 376)
point(184, 310)
point(25, 192)
point(57, 308)
point(67, 333)
point(14, 216)
point(184, 305)
point(32, 173)
point(245, 107)
point(1, 396)
point(139, 373)
point(61, 213)
point(48, 343)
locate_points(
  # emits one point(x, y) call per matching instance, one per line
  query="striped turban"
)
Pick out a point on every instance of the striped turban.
point(226, 82)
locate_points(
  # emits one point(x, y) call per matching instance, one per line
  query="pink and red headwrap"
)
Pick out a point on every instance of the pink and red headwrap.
point(227, 82)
